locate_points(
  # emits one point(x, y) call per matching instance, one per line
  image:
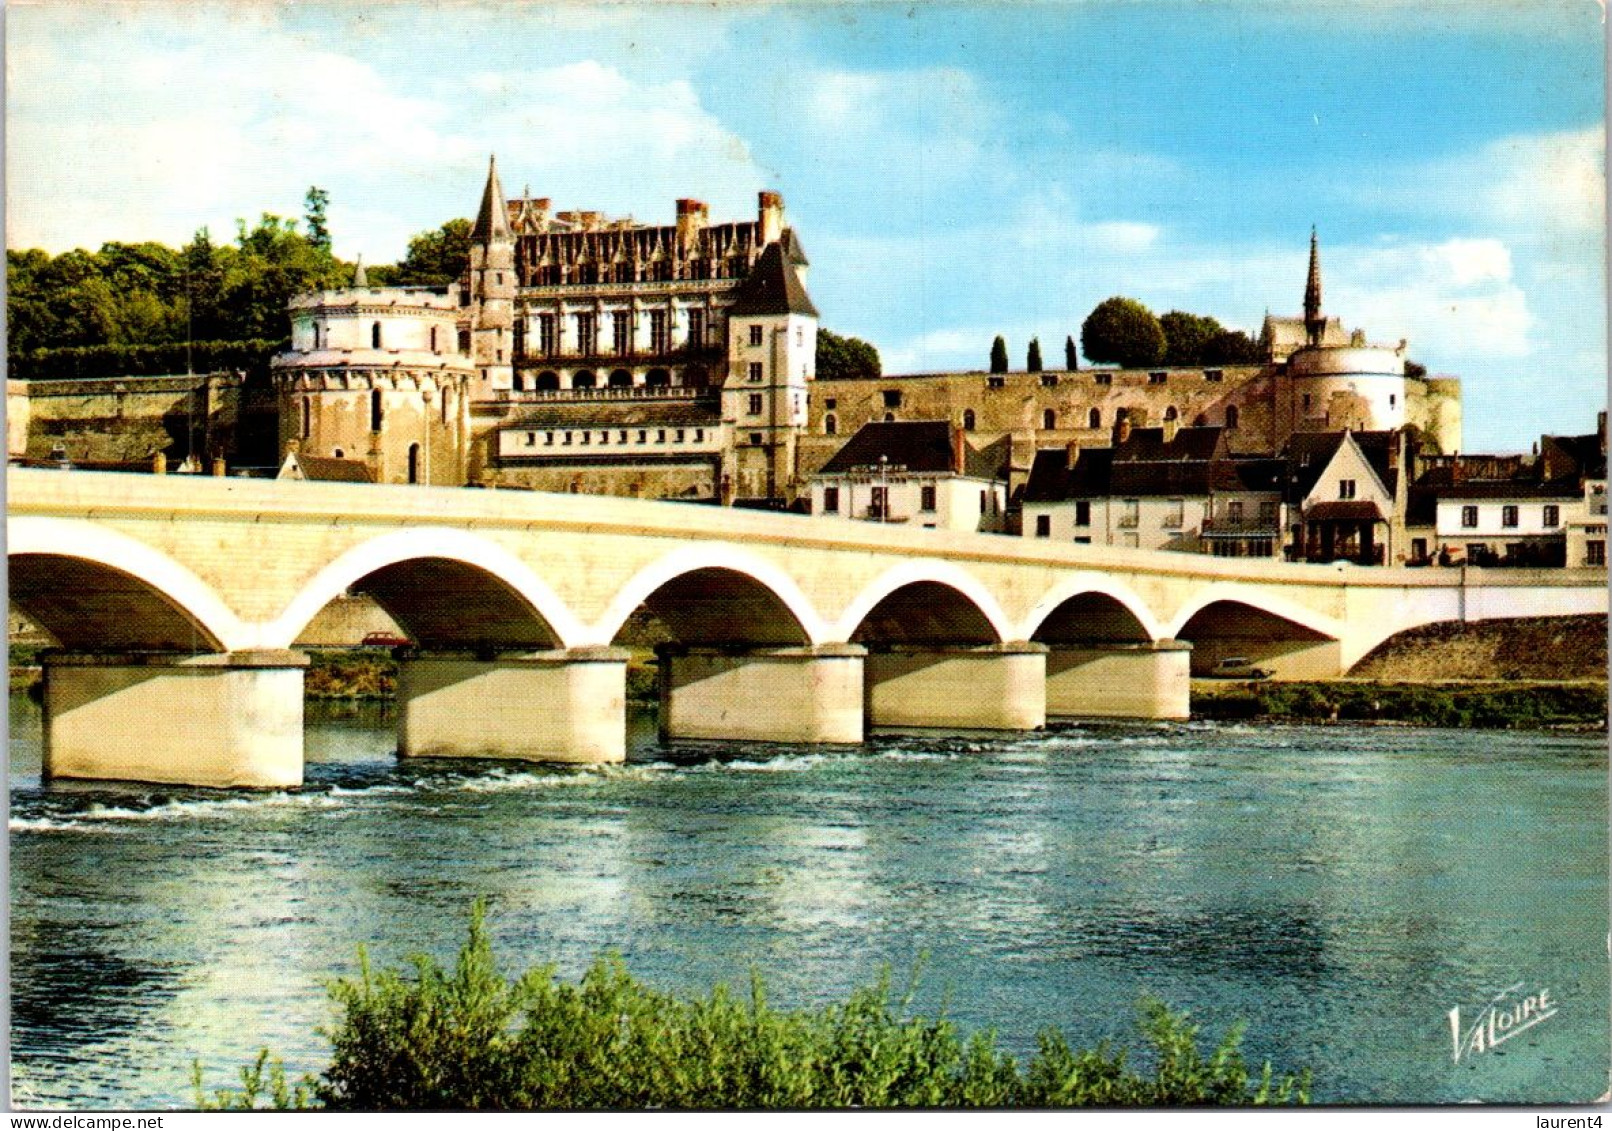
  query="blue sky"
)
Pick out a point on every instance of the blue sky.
point(955, 170)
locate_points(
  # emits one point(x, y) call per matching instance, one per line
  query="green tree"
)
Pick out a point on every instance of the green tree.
point(1032, 358)
point(313, 214)
point(1071, 356)
point(843, 358)
point(435, 259)
point(1124, 332)
point(1186, 336)
point(1232, 347)
point(999, 360)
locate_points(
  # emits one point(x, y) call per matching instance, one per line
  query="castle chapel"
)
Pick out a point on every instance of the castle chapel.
point(583, 354)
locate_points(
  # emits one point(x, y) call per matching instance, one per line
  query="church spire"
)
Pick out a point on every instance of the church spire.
point(1314, 321)
point(360, 276)
point(492, 222)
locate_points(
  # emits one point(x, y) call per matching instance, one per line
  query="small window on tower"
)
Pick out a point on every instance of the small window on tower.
point(892, 398)
point(375, 335)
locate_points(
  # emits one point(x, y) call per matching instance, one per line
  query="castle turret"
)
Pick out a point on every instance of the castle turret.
point(491, 288)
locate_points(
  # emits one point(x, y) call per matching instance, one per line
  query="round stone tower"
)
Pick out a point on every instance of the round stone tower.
point(375, 375)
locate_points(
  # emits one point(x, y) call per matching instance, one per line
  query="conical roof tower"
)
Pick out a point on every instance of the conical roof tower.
point(1314, 321)
point(492, 221)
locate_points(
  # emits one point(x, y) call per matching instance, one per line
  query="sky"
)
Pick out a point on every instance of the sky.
point(954, 170)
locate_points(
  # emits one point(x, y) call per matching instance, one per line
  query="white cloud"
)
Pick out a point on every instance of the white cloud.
point(201, 129)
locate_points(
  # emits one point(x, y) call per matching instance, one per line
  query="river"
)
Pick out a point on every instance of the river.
point(1340, 889)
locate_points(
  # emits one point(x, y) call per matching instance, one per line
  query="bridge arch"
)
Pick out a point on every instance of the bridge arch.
point(428, 579)
point(1091, 608)
point(925, 601)
point(97, 589)
point(716, 594)
point(1269, 630)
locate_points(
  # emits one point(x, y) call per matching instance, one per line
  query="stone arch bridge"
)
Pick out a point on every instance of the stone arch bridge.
point(177, 602)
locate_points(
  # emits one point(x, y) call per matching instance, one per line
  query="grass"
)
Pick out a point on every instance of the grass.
point(467, 1038)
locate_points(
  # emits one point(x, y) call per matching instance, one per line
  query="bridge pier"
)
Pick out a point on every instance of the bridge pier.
point(222, 720)
point(552, 706)
point(1121, 681)
point(962, 687)
point(800, 694)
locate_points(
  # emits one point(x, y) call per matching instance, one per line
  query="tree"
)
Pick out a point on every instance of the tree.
point(845, 358)
point(1232, 347)
point(314, 205)
point(437, 258)
point(1124, 332)
point(1032, 360)
point(1415, 369)
point(999, 362)
point(1071, 356)
point(1186, 336)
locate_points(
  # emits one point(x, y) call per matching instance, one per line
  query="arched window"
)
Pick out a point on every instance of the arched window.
point(968, 420)
point(658, 378)
point(375, 412)
point(889, 418)
point(375, 335)
point(620, 379)
point(307, 417)
point(1231, 416)
point(584, 379)
point(1094, 418)
point(831, 426)
point(519, 382)
point(548, 380)
point(414, 463)
point(1049, 419)
point(1170, 413)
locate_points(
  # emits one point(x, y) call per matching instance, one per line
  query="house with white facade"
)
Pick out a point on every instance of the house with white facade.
point(1157, 489)
point(923, 473)
point(1346, 497)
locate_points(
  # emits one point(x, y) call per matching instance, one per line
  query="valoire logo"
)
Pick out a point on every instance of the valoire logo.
point(1508, 1013)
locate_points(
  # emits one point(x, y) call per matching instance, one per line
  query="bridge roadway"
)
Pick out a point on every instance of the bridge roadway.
point(177, 602)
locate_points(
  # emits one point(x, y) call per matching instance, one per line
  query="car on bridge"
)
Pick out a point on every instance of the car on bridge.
point(385, 640)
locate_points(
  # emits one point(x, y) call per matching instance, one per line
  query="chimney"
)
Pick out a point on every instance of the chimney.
point(159, 464)
point(1072, 453)
point(691, 219)
point(771, 217)
point(959, 450)
point(218, 466)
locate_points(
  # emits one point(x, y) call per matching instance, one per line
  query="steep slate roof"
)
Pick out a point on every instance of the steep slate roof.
point(1565, 456)
point(793, 248)
point(492, 221)
point(1195, 462)
point(772, 287)
point(921, 446)
point(1308, 454)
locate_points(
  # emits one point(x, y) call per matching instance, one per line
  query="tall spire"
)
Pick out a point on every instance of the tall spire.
point(492, 222)
point(360, 276)
point(1314, 321)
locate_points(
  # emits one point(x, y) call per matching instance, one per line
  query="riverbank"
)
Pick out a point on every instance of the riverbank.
point(1489, 705)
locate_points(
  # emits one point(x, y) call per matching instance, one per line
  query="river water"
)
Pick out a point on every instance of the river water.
point(1339, 889)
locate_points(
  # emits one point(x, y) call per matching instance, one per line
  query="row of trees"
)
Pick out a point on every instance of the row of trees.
point(148, 294)
point(1121, 331)
point(131, 308)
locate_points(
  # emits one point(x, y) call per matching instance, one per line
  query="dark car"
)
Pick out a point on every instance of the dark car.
point(385, 640)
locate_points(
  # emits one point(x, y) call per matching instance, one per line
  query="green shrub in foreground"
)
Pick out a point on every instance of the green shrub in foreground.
point(470, 1039)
